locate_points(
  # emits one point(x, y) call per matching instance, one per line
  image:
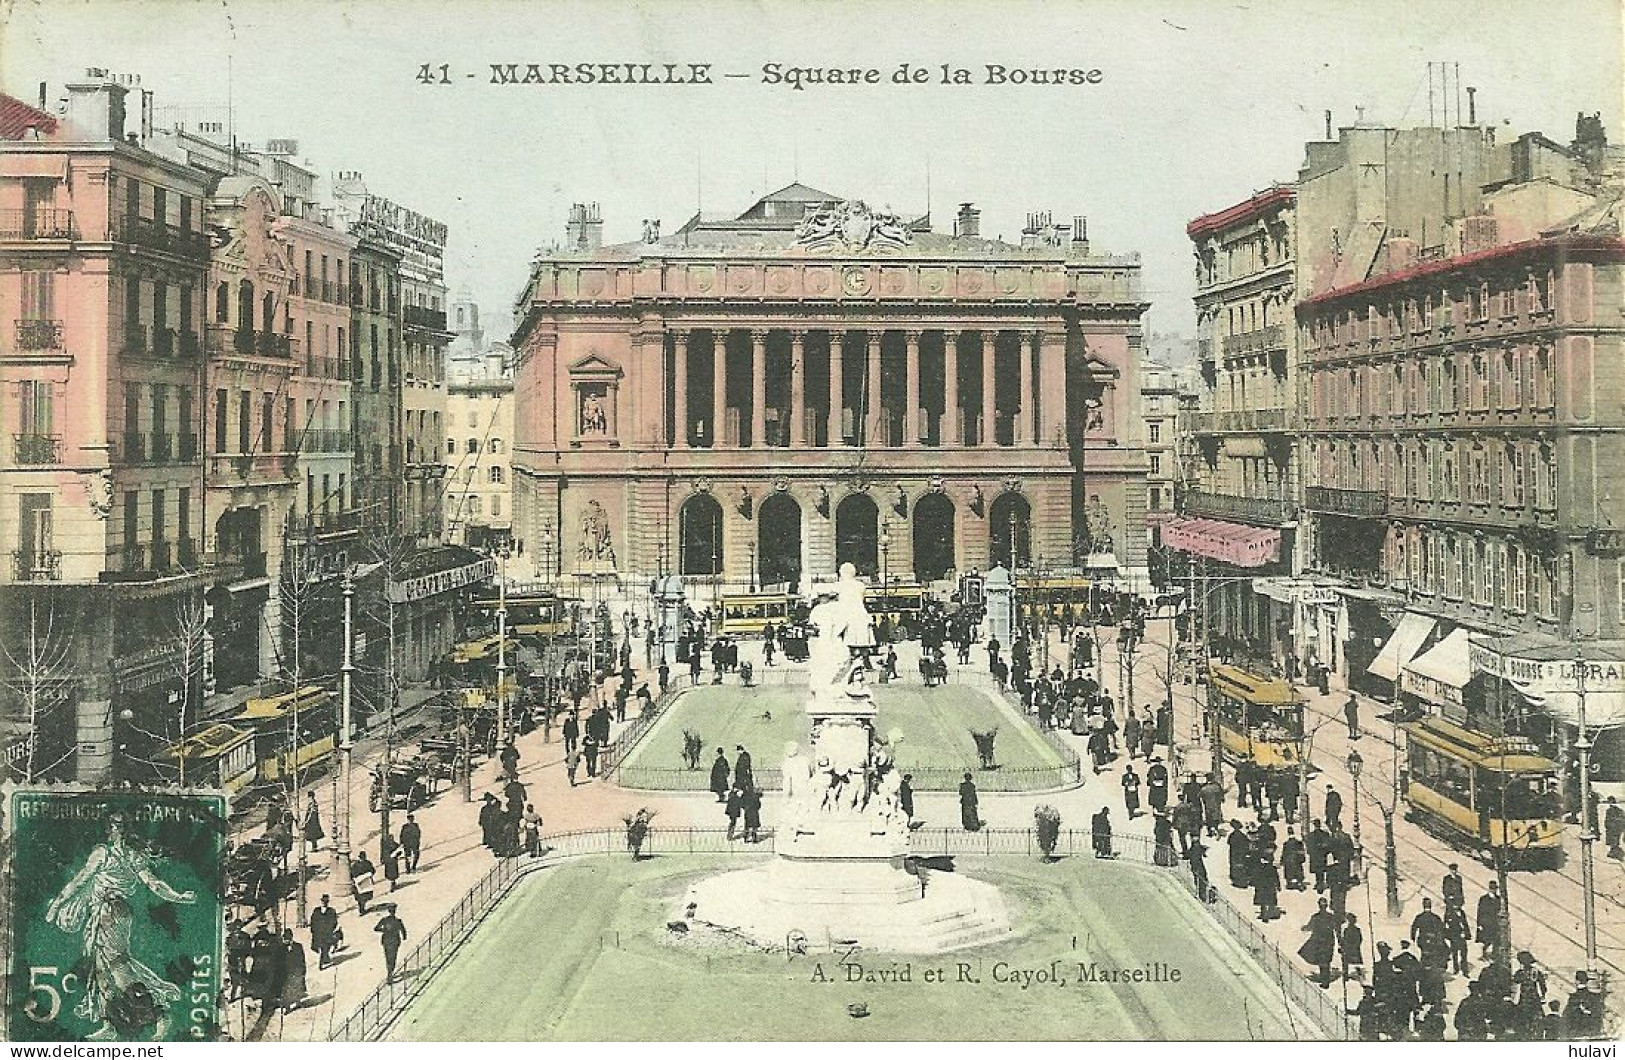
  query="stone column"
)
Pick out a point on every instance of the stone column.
point(871, 385)
point(911, 401)
point(798, 388)
point(679, 384)
point(987, 436)
point(1026, 417)
point(837, 387)
point(950, 389)
point(719, 386)
point(758, 388)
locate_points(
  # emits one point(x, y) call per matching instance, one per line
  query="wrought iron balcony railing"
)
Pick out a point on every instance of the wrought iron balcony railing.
point(37, 223)
point(33, 335)
point(1265, 511)
point(1360, 504)
point(36, 565)
point(37, 450)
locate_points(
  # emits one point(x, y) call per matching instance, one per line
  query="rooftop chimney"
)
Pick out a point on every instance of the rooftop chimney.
point(1328, 125)
point(969, 221)
point(1472, 106)
point(1080, 235)
point(585, 228)
point(96, 108)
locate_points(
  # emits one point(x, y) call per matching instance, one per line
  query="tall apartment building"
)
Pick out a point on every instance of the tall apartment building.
point(1238, 514)
point(1463, 424)
point(415, 350)
point(479, 436)
point(102, 292)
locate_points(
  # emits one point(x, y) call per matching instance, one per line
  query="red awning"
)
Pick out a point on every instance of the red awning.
point(1233, 543)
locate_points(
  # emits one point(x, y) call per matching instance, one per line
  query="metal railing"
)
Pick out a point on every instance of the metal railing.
point(39, 334)
point(37, 222)
point(158, 235)
point(1364, 504)
point(415, 971)
point(1240, 420)
point(1270, 511)
point(36, 564)
point(36, 450)
point(1257, 341)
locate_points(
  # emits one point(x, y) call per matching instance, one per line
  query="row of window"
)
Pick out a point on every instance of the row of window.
point(1511, 379)
point(1487, 571)
point(1510, 472)
point(472, 505)
point(1460, 302)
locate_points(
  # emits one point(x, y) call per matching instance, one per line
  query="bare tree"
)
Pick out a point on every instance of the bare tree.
point(295, 597)
point(37, 672)
point(189, 631)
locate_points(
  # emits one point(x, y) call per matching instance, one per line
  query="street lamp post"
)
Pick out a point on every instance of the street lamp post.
point(1355, 765)
point(502, 640)
point(547, 555)
point(341, 812)
point(1588, 823)
point(752, 548)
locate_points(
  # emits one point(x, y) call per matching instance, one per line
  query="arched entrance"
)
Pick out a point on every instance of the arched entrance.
point(1010, 511)
point(778, 541)
point(699, 526)
point(857, 537)
point(933, 537)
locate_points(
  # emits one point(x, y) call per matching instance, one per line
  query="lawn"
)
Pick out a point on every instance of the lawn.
point(579, 953)
point(936, 724)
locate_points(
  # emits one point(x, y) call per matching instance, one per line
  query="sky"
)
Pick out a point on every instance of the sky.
point(1197, 104)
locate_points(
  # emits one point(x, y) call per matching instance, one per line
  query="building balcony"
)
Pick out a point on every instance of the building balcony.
point(37, 223)
point(162, 556)
point(158, 235)
point(423, 317)
point(1260, 511)
point(1239, 421)
point(186, 449)
point(34, 336)
point(1357, 504)
point(325, 441)
point(251, 469)
point(246, 342)
point(36, 565)
point(160, 448)
point(132, 448)
point(36, 450)
point(329, 291)
point(1259, 341)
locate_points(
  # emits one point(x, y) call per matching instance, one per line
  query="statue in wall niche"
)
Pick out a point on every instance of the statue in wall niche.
point(593, 418)
point(1100, 526)
point(595, 546)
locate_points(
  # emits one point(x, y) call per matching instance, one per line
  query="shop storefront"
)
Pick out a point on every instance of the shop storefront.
point(1437, 679)
point(1542, 686)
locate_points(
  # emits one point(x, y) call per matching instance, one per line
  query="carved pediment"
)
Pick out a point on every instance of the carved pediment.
point(596, 366)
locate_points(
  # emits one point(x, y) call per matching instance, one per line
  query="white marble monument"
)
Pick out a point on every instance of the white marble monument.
point(838, 875)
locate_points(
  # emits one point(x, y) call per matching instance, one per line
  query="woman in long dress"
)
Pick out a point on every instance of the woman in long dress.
point(969, 816)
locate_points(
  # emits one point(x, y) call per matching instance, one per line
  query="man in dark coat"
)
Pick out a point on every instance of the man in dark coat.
point(293, 980)
point(751, 800)
point(1292, 861)
point(324, 930)
point(744, 779)
point(1613, 828)
point(1351, 947)
point(589, 749)
point(412, 842)
point(1488, 921)
point(1131, 733)
point(734, 807)
point(1317, 844)
point(1427, 931)
point(905, 796)
point(490, 821)
point(1457, 932)
point(1266, 887)
point(572, 732)
point(1196, 855)
point(969, 817)
point(1239, 848)
point(1100, 832)
point(392, 933)
point(1156, 785)
point(1131, 792)
point(1321, 945)
point(1452, 887)
point(1212, 803)
point(1334, 808)
point(719, 776)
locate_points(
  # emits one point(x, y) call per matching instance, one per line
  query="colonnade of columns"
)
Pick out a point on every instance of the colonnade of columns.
point(935, 407)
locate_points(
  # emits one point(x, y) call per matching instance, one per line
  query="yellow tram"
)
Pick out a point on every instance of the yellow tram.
point(537, 615)
point(219, 756)
point(279, 749)
point(1259, 717)
point(1053, 593)
point(1492, 792)
point(750, 613)
point(899, 601)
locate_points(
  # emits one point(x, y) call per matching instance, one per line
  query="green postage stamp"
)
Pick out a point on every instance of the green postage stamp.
point(116, 915)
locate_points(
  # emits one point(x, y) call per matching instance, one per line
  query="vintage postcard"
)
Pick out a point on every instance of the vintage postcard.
point(710, 520)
